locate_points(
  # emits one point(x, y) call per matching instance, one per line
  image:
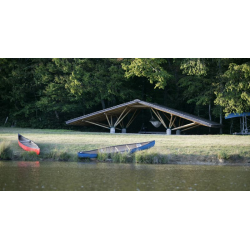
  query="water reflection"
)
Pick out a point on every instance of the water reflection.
point(91, 176)
point(28, 164)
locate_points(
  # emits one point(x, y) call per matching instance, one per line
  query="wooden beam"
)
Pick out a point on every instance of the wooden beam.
point(160, 119)
point(170, 120)
point(100, 125)
point(166, 116)
point(131, 119)
point(172, 124)
point(185, 126)
point(191, 127)
point(107, 119)
point(117, 121)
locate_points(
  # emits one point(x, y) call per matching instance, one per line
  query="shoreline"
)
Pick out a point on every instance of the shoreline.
point(178, 160)
point(63, 145)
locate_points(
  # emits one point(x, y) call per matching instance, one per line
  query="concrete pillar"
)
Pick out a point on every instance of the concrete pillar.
point(178, 132)
point(124, 130)
point(112, 130)
point(168, 131)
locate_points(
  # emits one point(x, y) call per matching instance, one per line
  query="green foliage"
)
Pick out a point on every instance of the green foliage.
point(235, 90)
point(6, 152)
point(222, 155)
point(58, 155)
point(194, 66)
point(198, 90)
point(151, 68)
point(29, 156)
point(44, 93)
point(124, 157)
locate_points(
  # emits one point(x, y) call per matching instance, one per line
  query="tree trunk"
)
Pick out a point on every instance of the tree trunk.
point(221, 119)
point(165, 96)
point(221, 92)
point(209, 113)
point(103, 104)
point(57, 116)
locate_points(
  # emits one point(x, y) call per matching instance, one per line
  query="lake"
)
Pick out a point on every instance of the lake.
point(59, 176)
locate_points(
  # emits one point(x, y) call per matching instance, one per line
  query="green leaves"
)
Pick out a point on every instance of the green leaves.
point(194, 66)
point(234, 94)
point(151, 68)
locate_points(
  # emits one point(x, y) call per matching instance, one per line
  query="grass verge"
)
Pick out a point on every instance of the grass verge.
point(6, 152)
point(63, 145)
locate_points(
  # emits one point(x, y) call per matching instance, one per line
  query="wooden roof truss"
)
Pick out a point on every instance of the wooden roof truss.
point(116, 116)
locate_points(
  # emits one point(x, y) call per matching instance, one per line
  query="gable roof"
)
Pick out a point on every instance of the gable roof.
point(138, 104)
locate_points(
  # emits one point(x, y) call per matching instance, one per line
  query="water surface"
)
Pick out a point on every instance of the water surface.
point(36, 176)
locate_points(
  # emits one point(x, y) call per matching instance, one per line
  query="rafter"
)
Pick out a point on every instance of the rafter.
point(159, 117)
point(100, 124)
point(117, 121)
point(191, 127)
point(185, 126)
point(107, 119)
point(121, 118)
point(132, 118)
point(172, 123)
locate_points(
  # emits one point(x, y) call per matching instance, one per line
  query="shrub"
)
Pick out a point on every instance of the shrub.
point(29, 156)
point(222, 155)
point(58, 155)
point(6, 152)
point(63, 156)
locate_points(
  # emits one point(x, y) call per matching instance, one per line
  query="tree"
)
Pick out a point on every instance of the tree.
point(235, 95)
point(151, 68)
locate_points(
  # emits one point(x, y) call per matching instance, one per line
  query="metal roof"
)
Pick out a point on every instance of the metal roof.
point(138, 104)
point(232, 115)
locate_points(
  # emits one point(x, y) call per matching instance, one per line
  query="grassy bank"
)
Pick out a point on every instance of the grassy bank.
point(63, 145)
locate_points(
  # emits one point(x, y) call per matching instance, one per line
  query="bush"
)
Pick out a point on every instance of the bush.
point(58, 155)
point(29, 156)
point(222, 155)
point(5, 151)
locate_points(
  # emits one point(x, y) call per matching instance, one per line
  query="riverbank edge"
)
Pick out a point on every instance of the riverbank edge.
point(131, 159)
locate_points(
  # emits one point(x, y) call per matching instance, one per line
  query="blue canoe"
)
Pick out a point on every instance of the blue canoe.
point(131, 148)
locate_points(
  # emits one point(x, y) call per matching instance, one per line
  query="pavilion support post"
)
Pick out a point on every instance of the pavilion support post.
point(168, 131)
point(112, 130)
point(178, 132)
point(124, 130)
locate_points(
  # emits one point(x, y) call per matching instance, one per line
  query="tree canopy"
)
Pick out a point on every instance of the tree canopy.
point(44, 93)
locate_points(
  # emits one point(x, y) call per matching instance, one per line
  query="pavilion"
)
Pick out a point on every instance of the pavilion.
point(113, 117)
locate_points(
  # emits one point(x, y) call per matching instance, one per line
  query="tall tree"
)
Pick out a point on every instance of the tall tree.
point(235, 95)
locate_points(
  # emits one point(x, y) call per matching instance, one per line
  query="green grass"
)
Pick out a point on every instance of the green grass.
point(6, 152)
point(64, 145)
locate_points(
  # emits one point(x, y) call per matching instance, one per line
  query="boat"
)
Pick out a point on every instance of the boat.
point(27, 144)
point(131, 148)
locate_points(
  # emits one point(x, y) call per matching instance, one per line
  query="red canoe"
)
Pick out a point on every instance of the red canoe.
point(27, 144)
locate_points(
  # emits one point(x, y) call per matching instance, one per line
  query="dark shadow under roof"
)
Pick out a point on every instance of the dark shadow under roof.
point(138, 104)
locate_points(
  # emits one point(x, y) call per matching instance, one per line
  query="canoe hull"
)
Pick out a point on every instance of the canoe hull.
point(26, 147)
point(89, 154)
